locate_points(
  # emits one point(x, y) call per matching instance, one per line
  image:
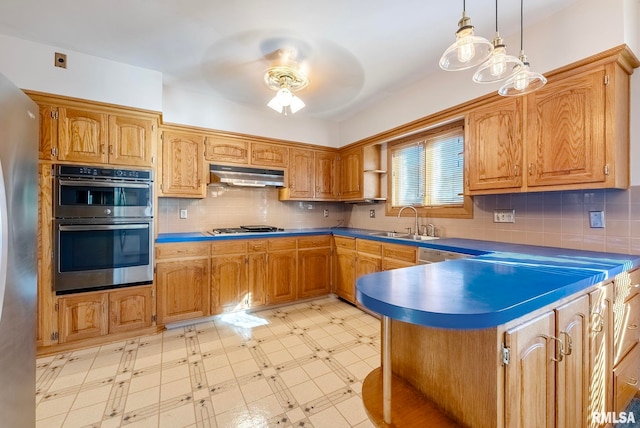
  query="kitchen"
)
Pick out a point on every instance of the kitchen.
point(543, 218)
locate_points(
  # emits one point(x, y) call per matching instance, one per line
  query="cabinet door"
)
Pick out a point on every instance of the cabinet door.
point(82, 136)
point(130, 309)
point(345, 273)
point(257, 280)
point(269, 155)
point(228, 283)
point(183, 289)
point(530, 374)
point(82, 317)
point(600, 345)
point(351, 174)
point(220, 149)
point(131, 140)
point(572, 373)
point(48, 132)
point(182, 165)
point(566, 131)
point(314, 272)
point(367, 264)
point(495, 146)
point(301, 174)
point(326, 176)
point(281, 273)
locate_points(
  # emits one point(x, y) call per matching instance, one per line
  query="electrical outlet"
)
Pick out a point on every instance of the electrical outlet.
point(325, 212)
point(372, 213)
point(183, 214)
point(596, 219)
point(504, 216)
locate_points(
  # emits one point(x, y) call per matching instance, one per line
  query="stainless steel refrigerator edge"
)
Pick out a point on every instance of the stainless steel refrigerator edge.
point(19, 128)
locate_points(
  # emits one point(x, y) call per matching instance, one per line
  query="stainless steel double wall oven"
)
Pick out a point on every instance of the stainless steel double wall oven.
point(103, 228)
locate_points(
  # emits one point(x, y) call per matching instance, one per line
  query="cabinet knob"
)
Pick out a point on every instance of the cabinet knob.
point(632, 381)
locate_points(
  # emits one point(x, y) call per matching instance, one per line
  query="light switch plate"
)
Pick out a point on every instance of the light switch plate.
point(183, 213)
point(596, 219)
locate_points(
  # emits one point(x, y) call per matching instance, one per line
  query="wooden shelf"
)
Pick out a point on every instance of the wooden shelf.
point(409, 407)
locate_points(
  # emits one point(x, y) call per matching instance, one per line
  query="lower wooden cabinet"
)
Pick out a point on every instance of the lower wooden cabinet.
point(282, 264)
point(90, 315)
point(344, 262)
point(314, 266)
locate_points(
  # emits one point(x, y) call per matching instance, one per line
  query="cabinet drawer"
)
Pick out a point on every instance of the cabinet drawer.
point(370, 247)
point(635, 283)
point(342, 242)
point(229, 247)
point(314, 241)
point(255, 246)
point(627, 317)
point(625, 379)
point(399, 252)
point(282, 244)
point(168, 251)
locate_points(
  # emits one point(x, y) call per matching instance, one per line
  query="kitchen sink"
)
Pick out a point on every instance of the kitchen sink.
point(390, 234)
point(406, 236)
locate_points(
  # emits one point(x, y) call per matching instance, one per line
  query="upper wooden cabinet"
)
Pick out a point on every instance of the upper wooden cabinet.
point(90, 133)
point(576, 134)
point(312, 175)
point(182, 165)
point(270, 155)
point(351, 174)
point(494, 145)
point(226, 150)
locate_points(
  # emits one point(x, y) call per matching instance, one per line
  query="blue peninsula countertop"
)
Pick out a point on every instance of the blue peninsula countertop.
point(501, 283)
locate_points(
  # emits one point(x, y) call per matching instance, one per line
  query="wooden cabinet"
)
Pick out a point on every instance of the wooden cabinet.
point(601, 356)
point(90, 133)
point(269, 155)
point(395, 256)
point(281, 270)
point(90, 315)
point(314, 266)
point(130, 309)
point(571, 134)
point(546, 380)
point(182, 165)
point(312, 175)
point(238, 275)
point(351, 174)
point(83, 316)
point(495, 146)
point(182, 279)
point(223, 149)
point(345, 267)
point(369, 257)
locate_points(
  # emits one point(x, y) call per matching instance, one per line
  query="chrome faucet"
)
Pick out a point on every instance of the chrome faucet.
point(415, 211)
point(431, 230)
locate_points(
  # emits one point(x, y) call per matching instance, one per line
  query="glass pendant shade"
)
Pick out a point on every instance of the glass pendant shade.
point(499, 66)
point(468, 50)
point(523, 82)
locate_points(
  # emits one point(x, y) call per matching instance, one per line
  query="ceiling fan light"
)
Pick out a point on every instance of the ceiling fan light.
point(274, 104)
point(468, 50)
point(296, 104)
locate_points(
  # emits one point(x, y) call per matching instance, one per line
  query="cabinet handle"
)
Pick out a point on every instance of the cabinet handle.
point(103, 150)
point(111, 149)
point(632, 381)
point(569, 343)
point(561, 354)
point(530, 168)
point(598, 322)
point(632, 327)
point(516, 171)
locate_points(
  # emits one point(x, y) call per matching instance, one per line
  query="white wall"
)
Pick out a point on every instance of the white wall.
point(30, 66)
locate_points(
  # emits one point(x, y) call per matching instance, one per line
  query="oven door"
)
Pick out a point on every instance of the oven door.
point(102, 198)
point(92, 254)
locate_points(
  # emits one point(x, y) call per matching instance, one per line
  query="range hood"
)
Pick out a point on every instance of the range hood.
point(246, 176)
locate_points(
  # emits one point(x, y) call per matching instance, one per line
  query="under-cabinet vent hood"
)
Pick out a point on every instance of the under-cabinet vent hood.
point(245, 176)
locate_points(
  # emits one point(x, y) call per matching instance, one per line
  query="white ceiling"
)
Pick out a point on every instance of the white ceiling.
point(357, 51)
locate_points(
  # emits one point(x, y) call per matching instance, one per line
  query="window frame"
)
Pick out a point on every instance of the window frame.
point(463, 210)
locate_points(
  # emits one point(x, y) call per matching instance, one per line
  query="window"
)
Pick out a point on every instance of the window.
point(427, 171)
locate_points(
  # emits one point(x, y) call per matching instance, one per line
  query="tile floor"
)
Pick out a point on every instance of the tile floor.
point(294, 366)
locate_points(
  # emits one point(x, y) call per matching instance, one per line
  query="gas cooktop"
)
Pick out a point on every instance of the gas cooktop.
point(246, 229)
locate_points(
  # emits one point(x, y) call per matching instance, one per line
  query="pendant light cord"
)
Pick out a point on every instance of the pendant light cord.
point(496, 16)
point(521, 30)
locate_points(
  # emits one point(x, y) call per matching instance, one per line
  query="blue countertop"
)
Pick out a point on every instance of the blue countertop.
point(501, 283)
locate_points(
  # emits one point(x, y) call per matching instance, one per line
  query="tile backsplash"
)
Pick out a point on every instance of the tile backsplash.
point(556, 219)
point(235, 206)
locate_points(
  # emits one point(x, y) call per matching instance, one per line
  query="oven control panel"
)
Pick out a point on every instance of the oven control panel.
point(106, 173)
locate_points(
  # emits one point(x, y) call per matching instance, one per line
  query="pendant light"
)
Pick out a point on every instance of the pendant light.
point(499, 66)
point(525, 81)
point(286, 77)
point(468, 50)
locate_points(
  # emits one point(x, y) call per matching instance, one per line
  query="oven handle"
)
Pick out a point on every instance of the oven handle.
point(110, 184)
point(77, 228)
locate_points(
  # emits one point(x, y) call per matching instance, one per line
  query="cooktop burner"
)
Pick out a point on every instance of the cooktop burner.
point(246, 229)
